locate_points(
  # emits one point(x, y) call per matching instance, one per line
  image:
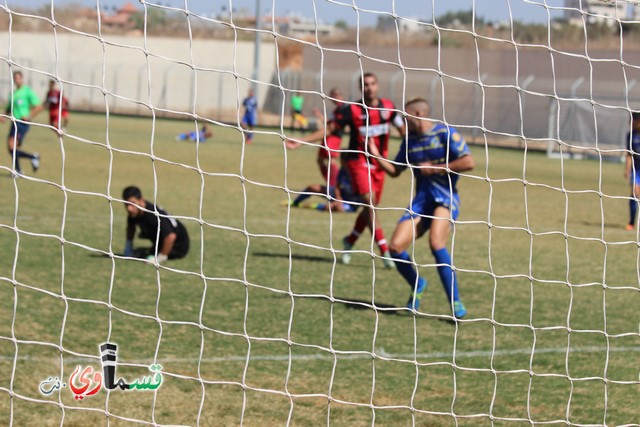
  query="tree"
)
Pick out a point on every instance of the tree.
point(341, 24)
point(464, 17)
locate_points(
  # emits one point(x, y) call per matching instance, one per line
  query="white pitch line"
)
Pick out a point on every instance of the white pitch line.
point(360, 355)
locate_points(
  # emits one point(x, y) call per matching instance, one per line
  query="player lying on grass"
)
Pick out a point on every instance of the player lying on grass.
point(341, 194)
point(172, 238)
point(193, 136)
point(435, 153)
point(632, 168)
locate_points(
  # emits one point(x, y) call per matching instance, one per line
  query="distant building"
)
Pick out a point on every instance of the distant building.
point(410, 25)
point(594, 11)
point(305, 29)
point(120, 19)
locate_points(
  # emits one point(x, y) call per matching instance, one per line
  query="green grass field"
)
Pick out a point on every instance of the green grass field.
point(261, 324)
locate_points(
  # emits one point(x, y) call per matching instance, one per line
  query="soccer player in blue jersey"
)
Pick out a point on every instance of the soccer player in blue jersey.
point(250, 118)
point(193, 136)
point(435, 153)
point(632, 168)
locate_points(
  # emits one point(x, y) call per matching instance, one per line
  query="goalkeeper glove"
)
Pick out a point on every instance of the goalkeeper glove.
point(128, 248)
point(160, 258)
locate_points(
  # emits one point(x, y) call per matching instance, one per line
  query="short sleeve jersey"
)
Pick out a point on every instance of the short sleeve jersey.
point(439, 145)
point(338, 129)
point(297, 102)
point(22, 101)
point(250, 104)
point(634, 137)
point(367, 123)
point(53, 100)
point(148, 224)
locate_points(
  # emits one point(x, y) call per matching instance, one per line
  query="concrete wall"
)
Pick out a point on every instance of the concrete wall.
point(132, 74)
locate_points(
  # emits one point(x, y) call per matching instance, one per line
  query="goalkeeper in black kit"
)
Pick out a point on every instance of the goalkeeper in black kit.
point(170, 241)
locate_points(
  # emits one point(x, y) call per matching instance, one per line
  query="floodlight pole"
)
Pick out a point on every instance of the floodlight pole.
point(256, 51)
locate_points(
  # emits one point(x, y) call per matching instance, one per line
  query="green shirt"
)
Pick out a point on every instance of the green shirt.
point(24, 99)
point(297, 101)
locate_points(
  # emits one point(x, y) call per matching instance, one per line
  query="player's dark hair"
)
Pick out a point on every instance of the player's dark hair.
point(368, 74)
point(17, 73)
point(130, 192)
point(635, 115)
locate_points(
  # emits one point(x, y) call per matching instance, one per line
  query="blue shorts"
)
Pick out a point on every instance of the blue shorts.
point(424, 205)
point(18, 130)
point(249, 120)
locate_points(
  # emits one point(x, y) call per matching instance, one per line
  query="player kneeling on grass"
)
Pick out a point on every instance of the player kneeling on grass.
point(173, 240)
point(341, 195)
point(435, 153)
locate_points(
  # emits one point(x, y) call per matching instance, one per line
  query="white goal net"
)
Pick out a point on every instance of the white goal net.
point(284, 307)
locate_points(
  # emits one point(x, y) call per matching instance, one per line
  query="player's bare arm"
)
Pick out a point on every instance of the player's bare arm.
point(391, 169)
point(462, 164)
point(167, 244)
point(627, 166)
point(34, 112)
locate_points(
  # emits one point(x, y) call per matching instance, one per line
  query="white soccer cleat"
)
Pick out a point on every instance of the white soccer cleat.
point(388, 261)
point(35, 162)
point(346, 256)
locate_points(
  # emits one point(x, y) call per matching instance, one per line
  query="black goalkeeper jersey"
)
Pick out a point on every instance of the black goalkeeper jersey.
point(148, 224)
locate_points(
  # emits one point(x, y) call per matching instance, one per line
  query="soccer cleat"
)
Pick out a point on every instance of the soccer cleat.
point(346, 256)
point(388, 261)
point(629, 227)
point(459, 309)
point(416, 295)
point(35, 162)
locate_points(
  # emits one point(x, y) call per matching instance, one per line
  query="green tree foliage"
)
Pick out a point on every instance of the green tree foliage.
point(463, 17)
point(156, 18)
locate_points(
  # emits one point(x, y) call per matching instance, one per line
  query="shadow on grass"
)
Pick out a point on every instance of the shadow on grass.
point(311, 258)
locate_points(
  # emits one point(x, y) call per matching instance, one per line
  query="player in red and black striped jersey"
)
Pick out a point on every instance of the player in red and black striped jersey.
point(57, 105)
point(369, 121)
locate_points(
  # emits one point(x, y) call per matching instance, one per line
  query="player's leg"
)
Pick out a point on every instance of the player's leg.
point(377, 184)
point(318, 189)
point(405, 233)
point(16, 135)
point(633, 202)
point(438, 238)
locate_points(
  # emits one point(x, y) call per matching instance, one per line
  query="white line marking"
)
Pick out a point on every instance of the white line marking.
point(359, 355)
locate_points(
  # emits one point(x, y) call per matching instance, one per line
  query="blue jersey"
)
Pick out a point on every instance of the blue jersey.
point(250, 104)
point(440, 145)
point(634, 137)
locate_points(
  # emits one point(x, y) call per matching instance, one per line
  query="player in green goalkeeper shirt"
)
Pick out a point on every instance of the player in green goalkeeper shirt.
point(23, 106)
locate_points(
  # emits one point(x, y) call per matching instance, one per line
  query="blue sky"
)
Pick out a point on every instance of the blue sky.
point(330, 11)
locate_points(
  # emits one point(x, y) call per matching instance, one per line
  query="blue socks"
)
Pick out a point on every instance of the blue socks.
point(633, 210)
point(406, 269)
point(447, 275)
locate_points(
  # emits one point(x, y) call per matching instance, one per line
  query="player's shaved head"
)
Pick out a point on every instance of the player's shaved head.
point(418, 105)
point(417, 110)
